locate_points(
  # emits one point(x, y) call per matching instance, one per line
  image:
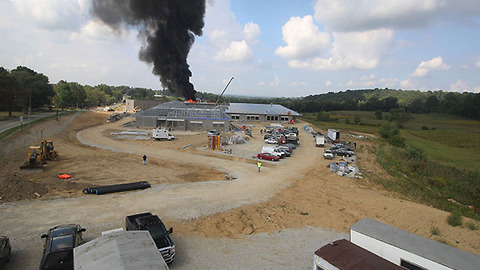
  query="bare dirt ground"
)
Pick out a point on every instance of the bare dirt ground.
point(190, 190)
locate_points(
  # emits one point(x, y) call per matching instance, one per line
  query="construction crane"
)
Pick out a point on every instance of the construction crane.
point(223, 91)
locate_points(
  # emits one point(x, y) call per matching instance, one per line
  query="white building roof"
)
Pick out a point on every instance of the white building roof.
point(264, 109)
point(451, 257)
point(131, 250)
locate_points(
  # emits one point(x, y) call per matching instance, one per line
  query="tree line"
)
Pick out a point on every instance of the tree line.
point(383, 100)
point(22, 89)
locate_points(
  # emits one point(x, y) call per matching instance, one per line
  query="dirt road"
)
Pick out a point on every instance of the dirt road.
point(191, 193)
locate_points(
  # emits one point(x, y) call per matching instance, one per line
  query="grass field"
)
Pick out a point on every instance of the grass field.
point(451, 143)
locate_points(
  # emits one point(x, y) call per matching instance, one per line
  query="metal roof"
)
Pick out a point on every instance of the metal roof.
point(421, 246)
point(129, 250)
point(345, 255)
point(178, 110)
point(268, 109)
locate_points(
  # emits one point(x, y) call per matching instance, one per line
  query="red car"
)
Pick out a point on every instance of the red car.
point(268, 156)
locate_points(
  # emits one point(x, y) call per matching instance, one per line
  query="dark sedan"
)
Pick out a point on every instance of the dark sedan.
point(59, 244)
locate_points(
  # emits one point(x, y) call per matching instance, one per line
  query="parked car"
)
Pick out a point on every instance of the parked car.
point(343, 152)
point(213, 132)
point(328, 154)
point(285, 152)
point(59, 244)
point(266, 136)
point(5, 250)
point(268, 156)
point(271, 140)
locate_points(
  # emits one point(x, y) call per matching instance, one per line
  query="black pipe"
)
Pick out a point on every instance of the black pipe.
point(116, 188)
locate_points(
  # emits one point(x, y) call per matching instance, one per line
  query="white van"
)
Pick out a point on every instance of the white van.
point(273, 150)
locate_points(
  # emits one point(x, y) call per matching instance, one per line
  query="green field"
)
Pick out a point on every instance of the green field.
point(452, 167)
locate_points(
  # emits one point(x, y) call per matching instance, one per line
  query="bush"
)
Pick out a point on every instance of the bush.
point(357, 119)
point(378, 115)
point(347, 121)
point(424, 127)
point(472, 225)
point(455, 219)
point(416, 153)
point(435, 231)
point(388, 130)
point(396, 140)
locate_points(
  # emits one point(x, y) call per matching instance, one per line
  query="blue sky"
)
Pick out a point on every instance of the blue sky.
point(272, 48)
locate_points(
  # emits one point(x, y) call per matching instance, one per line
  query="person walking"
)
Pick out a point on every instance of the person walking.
point(259, 165)
point(144, 159)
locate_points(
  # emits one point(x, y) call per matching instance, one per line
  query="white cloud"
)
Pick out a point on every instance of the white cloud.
point(276, 81)
point(347, 15)
point(357, 50)
point(408, 84)
point(328, 83)
point(459, 86)
point(476, 89)
point(477, 64)
point(303, 39)
point(252, 32)
point(237, 51)
point(369, 77)
point(425, 67)
point(54, 14)
point(230, 41)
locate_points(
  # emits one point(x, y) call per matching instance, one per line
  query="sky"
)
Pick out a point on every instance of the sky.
point(272, 48)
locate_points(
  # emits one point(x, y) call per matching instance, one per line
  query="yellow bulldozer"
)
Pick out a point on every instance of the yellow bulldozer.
point(38, 155)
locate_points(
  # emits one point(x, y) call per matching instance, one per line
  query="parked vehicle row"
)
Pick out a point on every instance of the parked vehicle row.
point(60, 241)
point(281, 142)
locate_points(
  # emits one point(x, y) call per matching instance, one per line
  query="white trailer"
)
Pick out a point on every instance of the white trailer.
point(162, 134)
point(320, 141)
point(333, 134)
point(409, 250)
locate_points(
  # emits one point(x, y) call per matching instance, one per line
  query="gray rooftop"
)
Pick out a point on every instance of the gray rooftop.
point(421, 246)
point(268, 109)
point(178, 110)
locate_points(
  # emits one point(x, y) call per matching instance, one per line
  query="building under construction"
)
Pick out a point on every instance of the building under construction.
point(204, 116)
point(180, 116)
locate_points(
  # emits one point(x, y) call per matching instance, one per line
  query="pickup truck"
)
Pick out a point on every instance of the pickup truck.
point(156, 228)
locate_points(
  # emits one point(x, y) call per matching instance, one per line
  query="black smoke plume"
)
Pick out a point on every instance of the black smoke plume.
point(167, 29)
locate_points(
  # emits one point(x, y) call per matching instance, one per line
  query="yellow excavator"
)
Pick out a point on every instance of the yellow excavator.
point(38, 155)
point(47, 147)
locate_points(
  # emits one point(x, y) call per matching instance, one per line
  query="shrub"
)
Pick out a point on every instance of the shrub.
point(357, 120)
point(396, 140)
point(347, 121)
point(378, 115)
point(416, 153)
point(455, 219)
point(388, 130)
point(472, 225)
point(424, 127)
point(435, 231)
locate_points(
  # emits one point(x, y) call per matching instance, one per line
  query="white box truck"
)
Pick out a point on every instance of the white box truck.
point(320, 141)
point(162, 134)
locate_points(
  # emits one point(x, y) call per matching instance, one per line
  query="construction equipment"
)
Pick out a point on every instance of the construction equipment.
point(223, 91)
point(38, 155)
point(47, 148)
point(35, 159)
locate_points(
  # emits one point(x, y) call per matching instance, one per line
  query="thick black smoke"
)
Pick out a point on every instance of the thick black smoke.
point(167, 28)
